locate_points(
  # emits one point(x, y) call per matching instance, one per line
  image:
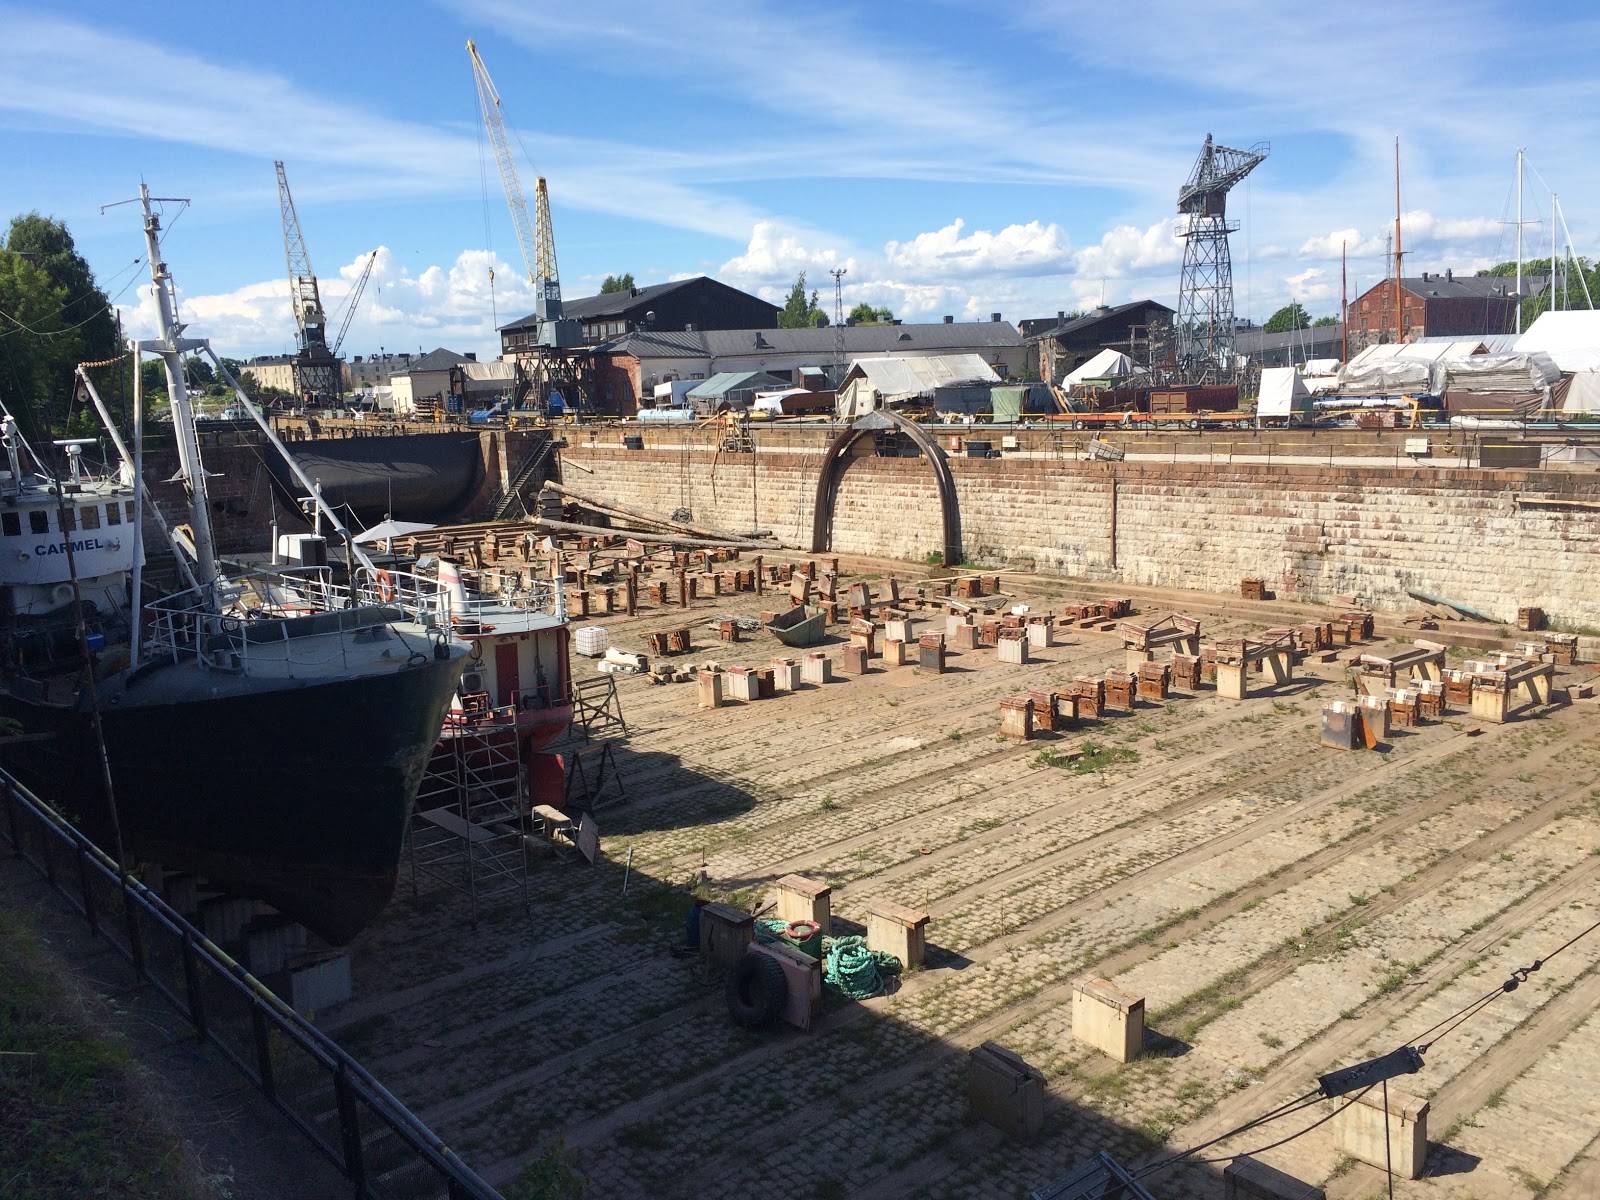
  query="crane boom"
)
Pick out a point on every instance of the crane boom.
point(516, 199)
point(355, 299)
point(535, 234)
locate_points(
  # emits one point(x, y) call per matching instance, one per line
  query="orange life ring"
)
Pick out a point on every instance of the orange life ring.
point(385, 587)
point(802, 930)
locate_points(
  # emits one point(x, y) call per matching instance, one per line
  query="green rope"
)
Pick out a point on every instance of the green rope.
point(769, 931)
point(856, 972)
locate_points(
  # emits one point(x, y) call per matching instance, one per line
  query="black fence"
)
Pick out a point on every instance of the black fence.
point(385, 1151)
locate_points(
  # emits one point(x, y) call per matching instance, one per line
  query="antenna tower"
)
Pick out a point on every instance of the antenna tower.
point(1205, 294)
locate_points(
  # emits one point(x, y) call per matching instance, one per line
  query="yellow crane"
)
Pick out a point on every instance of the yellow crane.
point(534, 232)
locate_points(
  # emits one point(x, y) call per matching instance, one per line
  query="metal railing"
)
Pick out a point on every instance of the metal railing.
point(382, 1147)
point(422, 598)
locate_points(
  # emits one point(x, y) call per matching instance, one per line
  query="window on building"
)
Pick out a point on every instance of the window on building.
point(10, 524)
point(113, 514)
point(91, 516)
point(39, 521)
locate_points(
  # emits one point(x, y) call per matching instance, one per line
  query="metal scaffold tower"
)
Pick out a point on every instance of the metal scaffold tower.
point(470, 828)
point(838, 274)
point(1205, 295)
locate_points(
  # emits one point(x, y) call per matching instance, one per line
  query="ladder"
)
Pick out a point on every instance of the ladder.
point(511, 495)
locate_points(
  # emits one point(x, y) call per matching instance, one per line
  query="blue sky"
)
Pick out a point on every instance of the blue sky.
point(955, 157)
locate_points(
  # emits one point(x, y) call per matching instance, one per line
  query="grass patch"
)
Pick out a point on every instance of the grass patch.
point(75, 1118)
point(554, 1175)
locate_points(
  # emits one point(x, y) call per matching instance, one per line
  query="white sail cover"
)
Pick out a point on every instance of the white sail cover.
point(1571, 339)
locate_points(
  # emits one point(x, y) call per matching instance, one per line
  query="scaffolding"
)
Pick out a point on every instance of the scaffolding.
point(470, 827)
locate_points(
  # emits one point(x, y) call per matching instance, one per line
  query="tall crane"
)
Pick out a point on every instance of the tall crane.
point(534, 234)
point(1205, 294)
point(318, 374)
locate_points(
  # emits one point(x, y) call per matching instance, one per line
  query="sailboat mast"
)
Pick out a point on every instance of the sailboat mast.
point(170, 347)
point(1344, 302)
point(1519, 240)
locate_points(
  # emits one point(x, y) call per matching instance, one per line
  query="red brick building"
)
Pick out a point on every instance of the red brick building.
point(1435, 305)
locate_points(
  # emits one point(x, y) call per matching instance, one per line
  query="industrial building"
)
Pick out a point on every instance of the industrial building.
point(1439, 305)
point(1064, 343)
point(699, 303)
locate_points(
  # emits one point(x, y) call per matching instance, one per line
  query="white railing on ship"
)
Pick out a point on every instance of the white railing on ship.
point(423, 599)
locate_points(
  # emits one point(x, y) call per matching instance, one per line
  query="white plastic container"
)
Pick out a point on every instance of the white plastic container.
point(593, 640)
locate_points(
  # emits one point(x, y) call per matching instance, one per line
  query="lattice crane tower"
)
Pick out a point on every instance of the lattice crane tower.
point(1205, 294)
point(318, 376)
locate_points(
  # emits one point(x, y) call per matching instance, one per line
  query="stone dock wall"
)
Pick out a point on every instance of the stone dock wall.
point(1494, 539)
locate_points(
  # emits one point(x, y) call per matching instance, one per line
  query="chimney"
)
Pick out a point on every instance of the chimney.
point(689, 328)
point(1061, 314)
point(472, 356)
point(1449, 274)
point(1424, 277)
point(632, 292)
point(949, 320)
point(995, 317)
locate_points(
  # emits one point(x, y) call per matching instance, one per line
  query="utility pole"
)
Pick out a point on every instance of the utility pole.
point(838, 274)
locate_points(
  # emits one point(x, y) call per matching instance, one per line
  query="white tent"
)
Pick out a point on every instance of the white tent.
point(1108, 364)
point(874, 382)
point(1571, 338)
point(1283, 394)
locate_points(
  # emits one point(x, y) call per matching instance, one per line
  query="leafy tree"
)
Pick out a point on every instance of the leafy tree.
point(1568, 294)
point(865, 314)
point(799, 312)
point(1324, 322)
point(617, 283)
point(52, 317)
point(1291, 316)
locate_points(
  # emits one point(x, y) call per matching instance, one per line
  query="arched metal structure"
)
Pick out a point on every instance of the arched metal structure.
point(838, 458)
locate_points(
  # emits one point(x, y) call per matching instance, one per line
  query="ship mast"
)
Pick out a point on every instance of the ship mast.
point(170, 346)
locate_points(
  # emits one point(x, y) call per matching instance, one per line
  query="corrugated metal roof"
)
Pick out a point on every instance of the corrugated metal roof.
point(724, 382)
point(894, 378)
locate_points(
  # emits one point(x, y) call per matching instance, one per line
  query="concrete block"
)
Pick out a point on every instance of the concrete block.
point(1490, 701)
point(930, 653)
point(1246, 1179)
point(898, 930)
point(1134, 659)
point(901, 629)
point(1013, 650)
point(786, 674)
point(743, 685)
point(708, 689)
point(1232, 682)
point(802, 899)
point(1041, 635)
point(894, 653)
point(312, 984)
point(1358, 1131)
point(964, 636)
point(816, 669)
point(1016, 717)
point(725, 933)
point(1107, 1018)
point(855, 659)
point(1005, 1091)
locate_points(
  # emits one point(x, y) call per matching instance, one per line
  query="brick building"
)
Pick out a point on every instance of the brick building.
point(1439, 305)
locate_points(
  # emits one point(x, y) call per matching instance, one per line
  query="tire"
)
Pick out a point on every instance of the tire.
point(756, 990)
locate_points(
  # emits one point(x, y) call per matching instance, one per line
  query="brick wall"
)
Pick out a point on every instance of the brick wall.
point(1479, 537)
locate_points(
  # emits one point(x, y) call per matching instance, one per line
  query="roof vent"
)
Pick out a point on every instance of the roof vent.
point(689, 328)
point(904, 337)
point(761, 342)
point(1424, 277)
point(1061, 314)
point(632, 292)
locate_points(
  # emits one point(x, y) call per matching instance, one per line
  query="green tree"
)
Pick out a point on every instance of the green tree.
point(865, 314)
point(1568, 293)
point(1324, 322)
point(799, 312)
point(52, 317)
point(1291, 316)
point(617, 283)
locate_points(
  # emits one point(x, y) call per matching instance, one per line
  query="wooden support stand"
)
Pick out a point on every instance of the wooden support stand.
point(1359, 1131)
point(898, 930)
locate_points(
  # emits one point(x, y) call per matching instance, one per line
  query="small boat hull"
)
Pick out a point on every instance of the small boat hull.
point(800, 626)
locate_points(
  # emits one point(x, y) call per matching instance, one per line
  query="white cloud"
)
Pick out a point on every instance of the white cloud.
point(1346, 241)
point(1311, 285)
point(1031, 249)
point(776, 254)
point(1127, 249)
